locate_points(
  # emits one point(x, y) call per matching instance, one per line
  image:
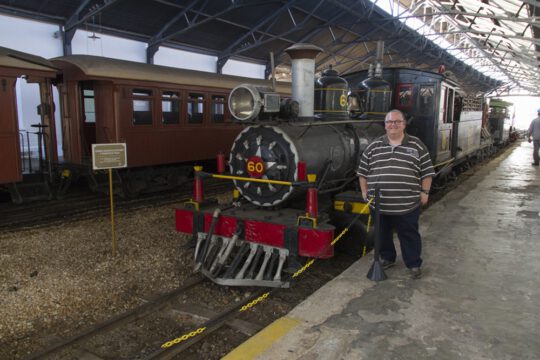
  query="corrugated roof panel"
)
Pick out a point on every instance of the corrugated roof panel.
point(477, 40)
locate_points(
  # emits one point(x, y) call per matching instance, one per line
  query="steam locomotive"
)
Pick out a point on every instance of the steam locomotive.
point(294, 164)
point(287, 165)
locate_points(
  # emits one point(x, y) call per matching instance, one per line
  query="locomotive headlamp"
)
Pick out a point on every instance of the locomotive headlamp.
point(246, 102)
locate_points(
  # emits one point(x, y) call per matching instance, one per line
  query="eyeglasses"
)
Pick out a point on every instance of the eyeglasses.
point(393, 122)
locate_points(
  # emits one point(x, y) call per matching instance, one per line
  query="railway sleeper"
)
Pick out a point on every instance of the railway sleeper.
point(235, 262)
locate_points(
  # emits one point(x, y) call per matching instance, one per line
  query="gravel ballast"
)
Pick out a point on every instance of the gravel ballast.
point(61, 279)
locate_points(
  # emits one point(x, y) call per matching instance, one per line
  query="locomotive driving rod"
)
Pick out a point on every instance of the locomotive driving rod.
point(266, 181)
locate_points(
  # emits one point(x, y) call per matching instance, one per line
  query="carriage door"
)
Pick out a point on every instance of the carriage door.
point(446, 117)
point(456, 111)
point(10, 155)
point(88, 109)
point(423, 122)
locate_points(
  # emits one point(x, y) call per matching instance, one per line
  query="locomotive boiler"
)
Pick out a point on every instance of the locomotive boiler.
point(291, 166)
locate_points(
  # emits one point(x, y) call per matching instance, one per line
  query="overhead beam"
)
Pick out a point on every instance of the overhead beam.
point(156, 40)
point(73, 22)
point(282, 36)
point(69, 29)
point(225, 54)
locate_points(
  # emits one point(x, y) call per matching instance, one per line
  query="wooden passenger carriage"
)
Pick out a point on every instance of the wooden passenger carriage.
point(164, 115)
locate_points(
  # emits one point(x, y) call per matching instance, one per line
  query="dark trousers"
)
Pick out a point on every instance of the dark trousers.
point(536, 146)
point(406, 227)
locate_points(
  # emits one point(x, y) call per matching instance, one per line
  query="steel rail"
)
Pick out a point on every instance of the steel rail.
point(120, 320)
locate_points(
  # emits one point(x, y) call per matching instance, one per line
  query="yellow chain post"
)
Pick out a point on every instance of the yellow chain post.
point(367, 232)
point(113, 231)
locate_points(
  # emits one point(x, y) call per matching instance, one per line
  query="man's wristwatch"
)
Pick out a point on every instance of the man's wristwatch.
point(425, 191)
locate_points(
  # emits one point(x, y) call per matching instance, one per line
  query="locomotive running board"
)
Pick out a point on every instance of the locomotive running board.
point(235, 262)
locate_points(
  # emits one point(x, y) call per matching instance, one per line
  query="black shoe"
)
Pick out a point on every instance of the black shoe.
point(385, 264)
point(535, 164)
point(416, 272)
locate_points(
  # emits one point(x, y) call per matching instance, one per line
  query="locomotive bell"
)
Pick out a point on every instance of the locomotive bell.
point(247, 102)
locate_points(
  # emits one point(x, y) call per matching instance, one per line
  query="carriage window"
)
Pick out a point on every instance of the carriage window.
point(425, 100)
point(170, 107)
point(218, 108)
point(89, 106)
point(195, 108)
point(404, 95)
point(142, 106)
point(446, 109)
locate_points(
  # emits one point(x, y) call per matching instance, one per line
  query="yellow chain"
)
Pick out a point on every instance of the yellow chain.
point(184, 337)
point(303, 268)
point(254, 302)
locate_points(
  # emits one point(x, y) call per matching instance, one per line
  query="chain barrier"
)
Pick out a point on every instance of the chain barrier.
point(264, 296)
point(254, 302)
point(184, 337)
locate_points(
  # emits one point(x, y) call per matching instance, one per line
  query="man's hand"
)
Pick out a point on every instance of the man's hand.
point(364, 196)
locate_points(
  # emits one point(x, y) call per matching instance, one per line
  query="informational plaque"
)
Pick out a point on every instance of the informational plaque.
point(109, 156)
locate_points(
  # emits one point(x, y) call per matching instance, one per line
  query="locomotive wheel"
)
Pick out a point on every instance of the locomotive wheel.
point(263, 152)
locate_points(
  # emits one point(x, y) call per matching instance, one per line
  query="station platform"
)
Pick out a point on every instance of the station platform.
point(478, 298)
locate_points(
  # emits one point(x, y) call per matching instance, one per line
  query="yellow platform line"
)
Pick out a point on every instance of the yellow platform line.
point(265, 338)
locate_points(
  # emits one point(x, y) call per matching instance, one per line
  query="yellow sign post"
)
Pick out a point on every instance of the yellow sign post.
point(110, 156)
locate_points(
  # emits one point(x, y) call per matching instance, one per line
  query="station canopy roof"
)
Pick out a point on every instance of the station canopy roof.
point(487, 46)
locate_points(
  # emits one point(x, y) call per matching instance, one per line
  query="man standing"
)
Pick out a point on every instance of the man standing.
point(534, 132)
point(398, 165)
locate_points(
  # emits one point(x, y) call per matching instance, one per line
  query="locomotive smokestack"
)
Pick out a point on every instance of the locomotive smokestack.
point(303, 76)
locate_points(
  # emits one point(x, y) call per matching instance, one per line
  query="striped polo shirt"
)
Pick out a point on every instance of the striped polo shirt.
point(397, 171)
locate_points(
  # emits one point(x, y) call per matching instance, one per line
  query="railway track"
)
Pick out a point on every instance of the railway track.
point(133, 315)
point(140, 333)
point(85, 205)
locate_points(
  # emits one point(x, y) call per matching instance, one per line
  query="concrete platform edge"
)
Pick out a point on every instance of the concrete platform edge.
point(259, 343)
